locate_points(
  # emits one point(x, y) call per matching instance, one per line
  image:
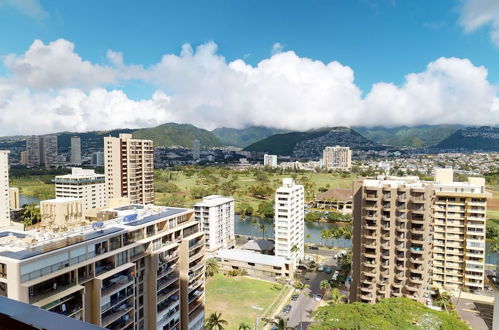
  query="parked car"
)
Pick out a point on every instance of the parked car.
point(314, 248)
point(295, 297)
point(286, 309)
point(320, 268)
point(317, 297)
point(328, 270)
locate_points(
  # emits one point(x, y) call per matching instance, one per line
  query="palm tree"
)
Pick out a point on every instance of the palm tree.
point(325, 235)
point(262, 228)
point(279, 323)
point(336, 297)
point(294, 248)
point(307, 236)
point(212, 267)
point(215, 322)
point(443, 299)
point(244, 326)
point(325, 285)
point(31, 214)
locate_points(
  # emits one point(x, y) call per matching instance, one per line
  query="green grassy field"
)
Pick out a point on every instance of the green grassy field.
point(243, 182)
point(35, 186)
point(235, 298)
point(493, 214)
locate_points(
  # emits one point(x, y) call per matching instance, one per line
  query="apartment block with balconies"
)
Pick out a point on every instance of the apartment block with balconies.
point(140, 270)
point(410, 235)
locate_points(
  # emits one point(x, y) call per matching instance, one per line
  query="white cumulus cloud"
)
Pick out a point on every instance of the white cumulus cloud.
point(31, 8)
point(478, 13)
point(56, 90)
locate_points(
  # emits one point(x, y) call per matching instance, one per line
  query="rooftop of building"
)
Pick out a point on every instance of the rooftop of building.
point(79, 173)
point(248, 256)
point(214, 200)
point(258, 245)
point(336, 194)
point(61, 200)
point(18, 315)
point(20, 245)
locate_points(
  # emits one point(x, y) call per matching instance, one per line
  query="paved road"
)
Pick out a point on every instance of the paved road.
point(306, 304)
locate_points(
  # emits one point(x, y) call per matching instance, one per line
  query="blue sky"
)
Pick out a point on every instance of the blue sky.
point(380, 41)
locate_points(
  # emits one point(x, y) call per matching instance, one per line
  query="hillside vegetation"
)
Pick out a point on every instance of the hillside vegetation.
point(245, 136)
point(172, 134)
point(392, 313)
point(417, 137)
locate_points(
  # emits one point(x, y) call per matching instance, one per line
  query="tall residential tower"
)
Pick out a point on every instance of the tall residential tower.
point(129, 169)
point(337, 158)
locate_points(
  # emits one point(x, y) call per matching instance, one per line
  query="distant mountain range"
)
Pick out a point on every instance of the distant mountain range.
point(299, 144)
point(415, 137)
point(311, 143)
point(245, 136)
point(472, 138)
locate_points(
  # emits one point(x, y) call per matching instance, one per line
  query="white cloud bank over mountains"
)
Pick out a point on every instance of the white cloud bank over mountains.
point(51, 88)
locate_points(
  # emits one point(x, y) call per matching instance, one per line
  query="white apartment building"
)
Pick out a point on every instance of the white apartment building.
point(215, 214)
point(4, 189)
point(82, 184)
point(289, 221)
point(129, 169)
point(75, 158)
point(337, 158)
point(143, 268)
point(270, 161)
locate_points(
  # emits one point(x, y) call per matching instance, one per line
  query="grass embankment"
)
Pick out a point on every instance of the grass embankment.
point(392, 313)
point(239, 299)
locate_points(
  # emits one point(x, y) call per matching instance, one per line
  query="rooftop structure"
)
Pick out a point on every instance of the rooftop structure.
point(255, 264)
point(142, 269)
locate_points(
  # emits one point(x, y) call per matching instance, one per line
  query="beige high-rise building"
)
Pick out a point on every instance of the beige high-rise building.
point(41, 150)
point(142, 269)
point(337, 158)
point(410, 235)
point(83, 184)
point(14, 199)
point(24, 158)
point(33, 151)
point(129, 169)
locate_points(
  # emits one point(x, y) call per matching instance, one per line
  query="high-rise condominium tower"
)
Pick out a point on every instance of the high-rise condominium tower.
point(142, 269)
point(82, 184)
point(129, 169)
point(410, 235)
point(196, 149)
point(41, 150)
point(75, 150)
point(215, 214)
point(4, 189)
point(337, 158)
point(289, 221)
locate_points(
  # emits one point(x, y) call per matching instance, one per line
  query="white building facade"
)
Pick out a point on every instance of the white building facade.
point(289, 221)
point(82, 184)
point(215, 214)
point(4, 188)
point(270, 160)
point(337, 158)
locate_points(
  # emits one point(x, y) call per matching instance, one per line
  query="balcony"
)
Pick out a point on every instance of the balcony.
point(116, 282)
point(166, 281)
point(368, 272)
point(116, 312)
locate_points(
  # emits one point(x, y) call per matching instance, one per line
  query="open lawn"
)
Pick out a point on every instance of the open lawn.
point(177, 186)
point(493, 214)
point(35, 186)
point(235, 298)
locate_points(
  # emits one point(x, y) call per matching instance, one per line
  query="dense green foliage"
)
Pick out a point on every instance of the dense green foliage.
point(392, 313)
point(473, 138)
point(328, 216)
point(245, 136)
point(417, 137)
point(283, 144)
point(172, 134)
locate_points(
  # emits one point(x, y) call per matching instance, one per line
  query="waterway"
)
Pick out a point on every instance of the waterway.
point(312, 231)
point(23, 199)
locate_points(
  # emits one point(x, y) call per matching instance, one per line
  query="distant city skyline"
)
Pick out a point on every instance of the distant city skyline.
point(85, 66)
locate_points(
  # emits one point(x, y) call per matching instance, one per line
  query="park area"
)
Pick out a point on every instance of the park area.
point(240, 299)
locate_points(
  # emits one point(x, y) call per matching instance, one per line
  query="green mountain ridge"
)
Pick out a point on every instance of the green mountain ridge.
point(415, 137)
point(172, 134)
point(245, 136)
point(484, 138)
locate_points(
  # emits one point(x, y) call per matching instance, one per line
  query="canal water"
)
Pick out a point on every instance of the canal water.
point(23, 199)
point(311, 228)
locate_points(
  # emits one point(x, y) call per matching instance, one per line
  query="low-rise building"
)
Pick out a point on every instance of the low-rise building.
point(59, 213)
point(254, 264)
point(335, 199)
point(82, 184)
